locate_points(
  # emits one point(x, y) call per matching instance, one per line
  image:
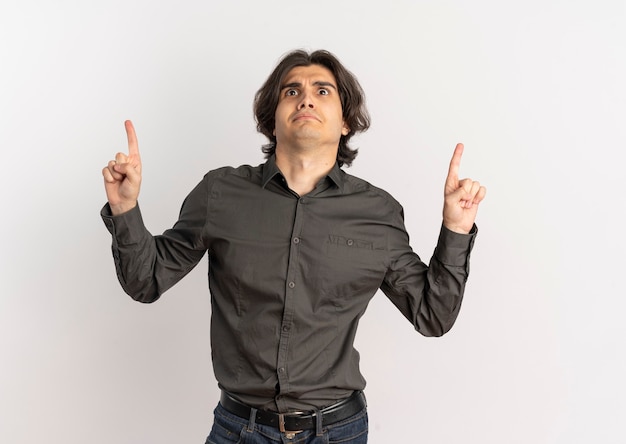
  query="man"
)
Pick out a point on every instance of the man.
point(296, 250)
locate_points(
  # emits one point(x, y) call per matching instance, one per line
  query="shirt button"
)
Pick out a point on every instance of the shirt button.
point(292, 284)
point(296, 240)
point(281, 370)
point(350, 242)
point(285, 328)
point(302, 200)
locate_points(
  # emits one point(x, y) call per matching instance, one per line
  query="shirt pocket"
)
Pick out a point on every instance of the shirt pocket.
point(354, 265)
point(351, 249)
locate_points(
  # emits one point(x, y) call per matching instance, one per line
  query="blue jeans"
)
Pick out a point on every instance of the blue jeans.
point(229, 428)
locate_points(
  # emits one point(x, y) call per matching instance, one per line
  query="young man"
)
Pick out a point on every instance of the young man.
point(296, 248)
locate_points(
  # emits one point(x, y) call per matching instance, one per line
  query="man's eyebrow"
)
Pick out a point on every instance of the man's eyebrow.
point(317, 83)
point(291, 85)
point(322, 83)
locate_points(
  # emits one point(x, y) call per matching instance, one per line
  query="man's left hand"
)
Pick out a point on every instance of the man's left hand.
point(461, 197)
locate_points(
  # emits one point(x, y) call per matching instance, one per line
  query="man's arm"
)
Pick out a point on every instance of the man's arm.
point(148, 265)
point(430, 295)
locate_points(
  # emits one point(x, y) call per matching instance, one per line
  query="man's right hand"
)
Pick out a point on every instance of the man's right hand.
point(122, 176)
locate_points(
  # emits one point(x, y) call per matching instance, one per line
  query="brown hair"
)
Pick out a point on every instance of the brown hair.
point(351, 95)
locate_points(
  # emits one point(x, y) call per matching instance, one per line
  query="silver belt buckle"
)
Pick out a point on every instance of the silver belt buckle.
point(289, 434)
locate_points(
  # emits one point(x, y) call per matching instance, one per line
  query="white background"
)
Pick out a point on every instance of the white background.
point(535, 90)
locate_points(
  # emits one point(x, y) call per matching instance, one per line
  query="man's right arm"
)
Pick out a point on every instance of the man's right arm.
point(148, 265)
point(133, 251)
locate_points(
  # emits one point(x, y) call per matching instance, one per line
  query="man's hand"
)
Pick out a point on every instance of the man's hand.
point(122, 176)
point(461, 197)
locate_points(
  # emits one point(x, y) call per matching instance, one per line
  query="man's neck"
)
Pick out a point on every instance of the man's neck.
point(303, 171)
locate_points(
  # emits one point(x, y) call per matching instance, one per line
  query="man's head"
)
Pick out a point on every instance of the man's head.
point(351, 96)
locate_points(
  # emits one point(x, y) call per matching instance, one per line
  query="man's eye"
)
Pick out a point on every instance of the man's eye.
point(324, 92)
point(291, 92)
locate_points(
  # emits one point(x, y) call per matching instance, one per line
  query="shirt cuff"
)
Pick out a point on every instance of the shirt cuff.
point(454, 248)
point(126, 228)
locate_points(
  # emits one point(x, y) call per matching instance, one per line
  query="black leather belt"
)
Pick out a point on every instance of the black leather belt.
point(293, 421)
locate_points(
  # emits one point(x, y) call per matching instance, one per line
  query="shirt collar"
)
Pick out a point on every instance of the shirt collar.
point(270, 170)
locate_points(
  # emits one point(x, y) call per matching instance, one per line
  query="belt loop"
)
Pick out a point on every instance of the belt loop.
point(252, 419)
point(318, 423)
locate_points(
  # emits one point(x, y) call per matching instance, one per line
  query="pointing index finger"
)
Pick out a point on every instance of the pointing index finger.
point(455, 163)
point(133, 146)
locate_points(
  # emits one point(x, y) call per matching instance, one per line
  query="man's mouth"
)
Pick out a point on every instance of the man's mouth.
point(305, 116)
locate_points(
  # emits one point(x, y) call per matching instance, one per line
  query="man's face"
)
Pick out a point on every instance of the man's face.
point(309, 109)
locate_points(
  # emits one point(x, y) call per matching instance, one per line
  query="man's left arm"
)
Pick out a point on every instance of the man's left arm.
point(430, 295)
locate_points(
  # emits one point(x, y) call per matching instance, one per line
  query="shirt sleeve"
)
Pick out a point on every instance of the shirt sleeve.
point(149, 265)
point(428, 295)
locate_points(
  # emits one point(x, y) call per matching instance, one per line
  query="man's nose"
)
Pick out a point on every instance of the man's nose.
point(306, 101)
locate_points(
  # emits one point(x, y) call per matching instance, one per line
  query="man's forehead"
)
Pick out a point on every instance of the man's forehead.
point(316, 72)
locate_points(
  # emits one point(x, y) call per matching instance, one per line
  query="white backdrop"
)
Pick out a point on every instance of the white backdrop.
point(535, 90)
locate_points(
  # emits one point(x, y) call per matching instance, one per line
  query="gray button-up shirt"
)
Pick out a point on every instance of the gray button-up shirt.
point(291, 276)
